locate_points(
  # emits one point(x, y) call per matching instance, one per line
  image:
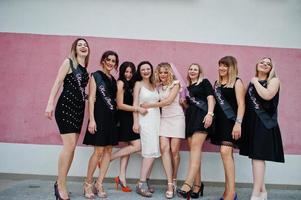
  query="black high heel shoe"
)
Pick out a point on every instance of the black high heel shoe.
point(184, 194)
point(195, 195)
point(57, 193)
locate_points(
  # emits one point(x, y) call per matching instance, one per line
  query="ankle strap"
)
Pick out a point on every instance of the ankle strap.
point(187, 185)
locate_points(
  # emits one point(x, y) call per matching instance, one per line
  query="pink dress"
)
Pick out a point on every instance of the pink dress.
point(172, 122)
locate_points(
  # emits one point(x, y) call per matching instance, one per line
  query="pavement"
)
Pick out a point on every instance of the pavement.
point(34, 187)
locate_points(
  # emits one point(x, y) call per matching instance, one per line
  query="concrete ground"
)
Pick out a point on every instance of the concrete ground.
point(33, 187)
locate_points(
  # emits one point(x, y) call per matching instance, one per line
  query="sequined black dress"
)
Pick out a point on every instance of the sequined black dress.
point(70, 107)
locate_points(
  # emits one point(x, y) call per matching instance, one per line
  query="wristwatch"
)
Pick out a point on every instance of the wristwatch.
point(211, 114)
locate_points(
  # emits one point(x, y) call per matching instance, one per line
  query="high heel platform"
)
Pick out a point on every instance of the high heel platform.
point(256, 198)
point(264, 195)
point(143, 190)
point(200, 192)
point(124, 188)
point(89, 190)
point(99, 190)
point(184, 194)
point(170, 194)
point(150, 187)
point(57, 193)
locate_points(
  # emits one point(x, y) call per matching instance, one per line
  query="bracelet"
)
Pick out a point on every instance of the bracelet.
point(238, 120)
point(211, 114)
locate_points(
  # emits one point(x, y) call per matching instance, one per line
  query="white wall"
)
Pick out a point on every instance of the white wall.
point(273, 23)
point(42, 160)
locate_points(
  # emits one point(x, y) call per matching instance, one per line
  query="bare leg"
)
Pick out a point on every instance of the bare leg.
point(93, 162)
point(127, 150)
point(196, 143)
point(65, 160)
point(175, 152)
point(258, 167)
point(123, 166)
point(228, 161)
point(104, 163)
point(147, 164)
point(166, 159)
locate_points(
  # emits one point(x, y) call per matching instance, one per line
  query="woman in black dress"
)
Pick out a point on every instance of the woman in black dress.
point(229, 94)
point(125, 86)
point(261, 138)
point(198, 119)
point(70, 107)
point(102, 129)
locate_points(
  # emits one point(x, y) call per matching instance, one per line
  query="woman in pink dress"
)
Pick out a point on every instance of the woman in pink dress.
point(172, 124)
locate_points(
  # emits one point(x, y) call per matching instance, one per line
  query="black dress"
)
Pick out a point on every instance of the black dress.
point(194, 115)
point(258, 142)
point(70, 107)
point(222, 134)
point(105, 118)
point(126, 133)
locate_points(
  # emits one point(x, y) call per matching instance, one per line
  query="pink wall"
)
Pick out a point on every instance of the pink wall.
point(29, 65)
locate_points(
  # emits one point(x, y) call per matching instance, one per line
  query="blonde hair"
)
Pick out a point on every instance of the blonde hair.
point(200, 76)
point(171, 77)
point(231, 63)
point(272, 73)
point(73, 53)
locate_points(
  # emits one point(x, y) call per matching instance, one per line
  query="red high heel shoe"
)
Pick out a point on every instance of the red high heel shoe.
point(123, 187)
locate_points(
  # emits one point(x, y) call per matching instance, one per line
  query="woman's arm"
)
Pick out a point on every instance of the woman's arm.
point(125, 107)
point(91, 100)
point(136, 104)
point(240, 98)
point(208, 118)
point(63, 71)
point(269, 92)
point(165, 102)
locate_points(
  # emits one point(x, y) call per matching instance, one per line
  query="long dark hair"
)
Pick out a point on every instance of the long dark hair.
point(127, 84)
point(138, 75)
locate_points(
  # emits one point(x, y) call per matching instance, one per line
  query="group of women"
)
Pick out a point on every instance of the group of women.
point(145, 109)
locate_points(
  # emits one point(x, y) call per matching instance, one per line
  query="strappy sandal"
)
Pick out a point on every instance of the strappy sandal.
point(100, 191)
point(169, 194)
point(88, 190)
point(184, 194)
point(174, 181)
point(143, 190)
point(150, 187)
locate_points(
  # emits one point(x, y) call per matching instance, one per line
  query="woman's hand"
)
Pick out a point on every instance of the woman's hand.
point(136, 128)
point(236, 132)
point(92, 127)
point(142, 111)
point(207, 121)
point(49, 111)
point(145, 105)
point(254, 79)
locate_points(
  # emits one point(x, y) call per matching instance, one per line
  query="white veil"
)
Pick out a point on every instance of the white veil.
point(179, 77)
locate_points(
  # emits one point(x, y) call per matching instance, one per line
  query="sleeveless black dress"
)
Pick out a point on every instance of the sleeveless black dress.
point(257, 141)
point(126, 133)
point(70, 107)
point(105, 118)
point(194, 115)
point(222, 134)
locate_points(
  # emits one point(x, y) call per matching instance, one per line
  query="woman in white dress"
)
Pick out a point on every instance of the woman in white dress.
point(148, 125)
point(172, 124)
